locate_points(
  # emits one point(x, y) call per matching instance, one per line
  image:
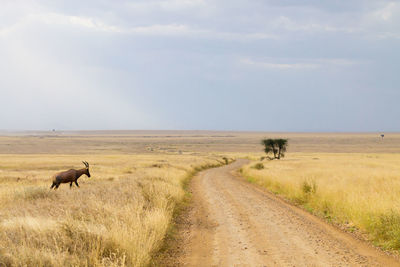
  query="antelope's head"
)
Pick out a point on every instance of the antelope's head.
point(87, 168)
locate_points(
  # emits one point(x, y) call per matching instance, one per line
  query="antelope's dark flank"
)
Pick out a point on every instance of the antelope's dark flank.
point(70, 176)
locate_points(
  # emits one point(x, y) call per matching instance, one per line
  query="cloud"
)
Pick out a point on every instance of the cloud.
point(339, 61)
point(383, 22)
point(286, 23)
point(167, 5)
point(387, 12)
point(93, 24)
point(188, 31)
point(177, 5)
point(279, 66)
point(142, 63)
point(161, 30)
point(56, 19)
point(300, 64)
point(388, 35)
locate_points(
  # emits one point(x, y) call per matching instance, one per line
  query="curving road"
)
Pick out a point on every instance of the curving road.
point(233, 223)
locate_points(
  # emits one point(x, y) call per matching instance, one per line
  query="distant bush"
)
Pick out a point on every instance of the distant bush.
point(156, 165)
point(258, 166)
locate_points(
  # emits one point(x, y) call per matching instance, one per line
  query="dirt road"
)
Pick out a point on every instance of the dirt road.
point(233, 223)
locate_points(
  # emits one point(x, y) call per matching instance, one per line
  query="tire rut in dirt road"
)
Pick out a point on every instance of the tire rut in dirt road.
point(233, 223)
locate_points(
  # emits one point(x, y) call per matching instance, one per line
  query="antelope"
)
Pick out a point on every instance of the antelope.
point(70, 176)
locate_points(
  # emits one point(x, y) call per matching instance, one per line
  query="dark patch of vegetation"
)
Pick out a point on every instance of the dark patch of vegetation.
point(386, 230)
point(276, 146)
point(309, 187)
point(156, 165)
point(251, 180)
point(258, 166)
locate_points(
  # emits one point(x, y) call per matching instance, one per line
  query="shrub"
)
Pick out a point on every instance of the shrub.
point(309, 187)
point(258, 166)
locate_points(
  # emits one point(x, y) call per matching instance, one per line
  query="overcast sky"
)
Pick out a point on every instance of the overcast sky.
point(269, 65)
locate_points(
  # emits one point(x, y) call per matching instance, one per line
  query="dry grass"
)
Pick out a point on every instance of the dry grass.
point(118, 217)
point(127, 142)
point(356, 190)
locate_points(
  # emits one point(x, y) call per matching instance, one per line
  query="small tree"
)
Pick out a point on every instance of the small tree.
point(269, 146)
point(276, 146)
point(281, 144)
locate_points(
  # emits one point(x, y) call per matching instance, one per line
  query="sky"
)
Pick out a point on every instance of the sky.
point(260, 65)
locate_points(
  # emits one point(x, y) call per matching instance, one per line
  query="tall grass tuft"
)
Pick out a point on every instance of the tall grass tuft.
point(385, 229)
point(309, 187)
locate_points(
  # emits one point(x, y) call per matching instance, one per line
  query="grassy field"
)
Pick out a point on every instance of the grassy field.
point(360, 191)
point(118, 217)
point(121, 215)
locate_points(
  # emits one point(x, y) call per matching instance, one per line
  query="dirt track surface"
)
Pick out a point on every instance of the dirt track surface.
point(233, 223)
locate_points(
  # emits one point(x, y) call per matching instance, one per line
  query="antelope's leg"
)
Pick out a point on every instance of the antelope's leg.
point(57, 185)
point(76, 182)
point(70, 185)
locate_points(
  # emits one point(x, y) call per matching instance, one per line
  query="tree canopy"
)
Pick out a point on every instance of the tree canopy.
point(276, 146)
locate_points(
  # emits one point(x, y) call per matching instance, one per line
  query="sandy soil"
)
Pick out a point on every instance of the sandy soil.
point(233, 223)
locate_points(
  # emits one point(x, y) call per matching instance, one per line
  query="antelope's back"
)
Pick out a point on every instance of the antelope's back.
point(65, 176)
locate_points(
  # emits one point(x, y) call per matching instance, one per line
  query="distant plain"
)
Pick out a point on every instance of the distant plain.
point(105, 142)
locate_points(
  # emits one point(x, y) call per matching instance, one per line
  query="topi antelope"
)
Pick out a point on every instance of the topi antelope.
point(70, 176)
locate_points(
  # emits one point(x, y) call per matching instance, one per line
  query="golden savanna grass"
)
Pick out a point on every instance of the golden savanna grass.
point(119, 217)
point(358, 190)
